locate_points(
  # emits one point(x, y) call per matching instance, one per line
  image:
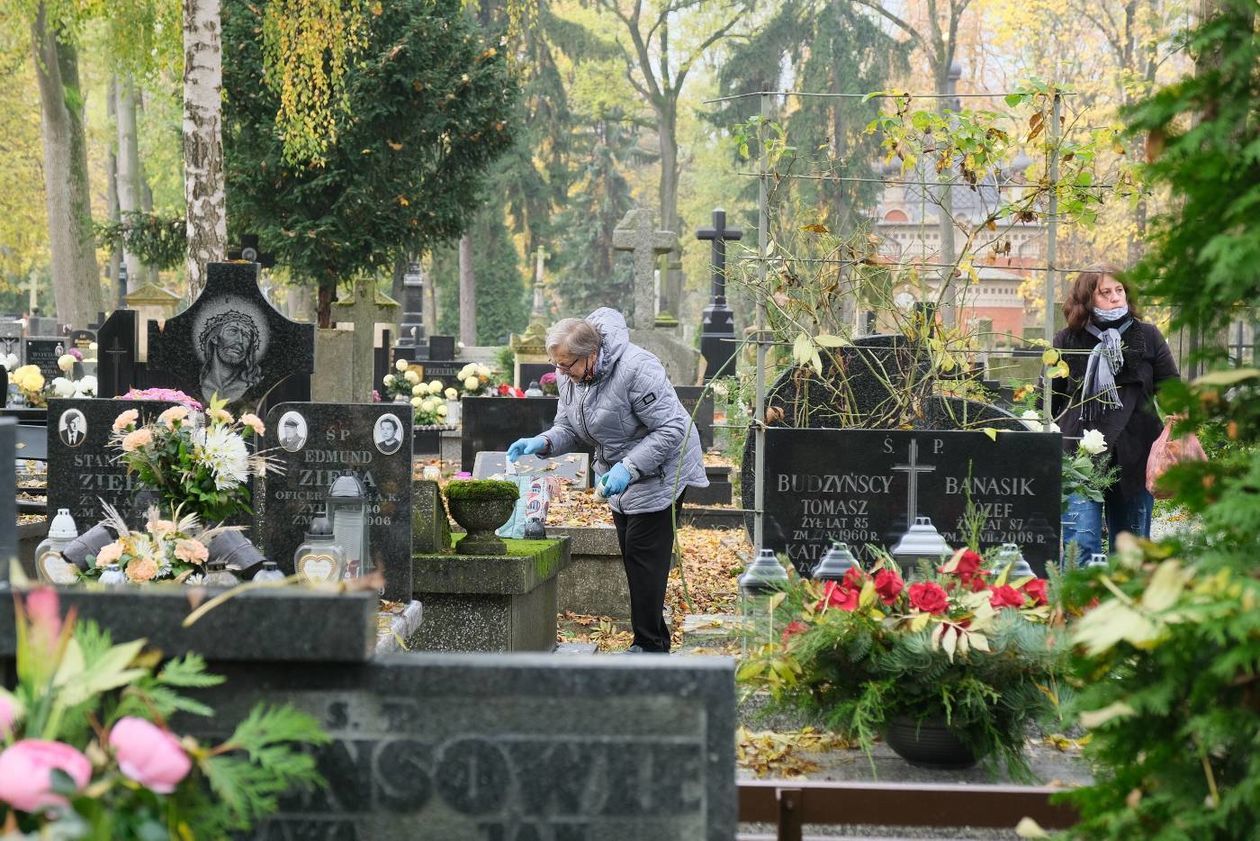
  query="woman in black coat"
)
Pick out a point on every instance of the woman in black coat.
point(1115, 362)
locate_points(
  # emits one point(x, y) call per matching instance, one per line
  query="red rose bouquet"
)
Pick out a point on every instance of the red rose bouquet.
point(968, 646)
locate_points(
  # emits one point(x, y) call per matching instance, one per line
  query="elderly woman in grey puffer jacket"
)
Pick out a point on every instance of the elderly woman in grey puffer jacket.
point(616, 397)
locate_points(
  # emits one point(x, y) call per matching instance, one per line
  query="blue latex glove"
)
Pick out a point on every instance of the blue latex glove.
point(526, 447)
point(615, 481)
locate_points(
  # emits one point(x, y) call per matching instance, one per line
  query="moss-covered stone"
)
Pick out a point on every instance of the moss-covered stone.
point(477, 489)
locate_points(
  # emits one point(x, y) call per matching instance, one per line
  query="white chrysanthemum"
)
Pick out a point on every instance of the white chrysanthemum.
point(1032, 420)
point(63, 387)
point(224, 452)
point(86, 387)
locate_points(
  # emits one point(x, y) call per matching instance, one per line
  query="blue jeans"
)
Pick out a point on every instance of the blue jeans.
point(1083, 520)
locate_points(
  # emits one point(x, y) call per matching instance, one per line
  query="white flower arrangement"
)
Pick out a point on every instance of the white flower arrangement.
point(475, 378)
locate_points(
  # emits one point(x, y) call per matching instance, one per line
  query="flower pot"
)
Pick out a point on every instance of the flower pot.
point(480, 518)
point(928, 743)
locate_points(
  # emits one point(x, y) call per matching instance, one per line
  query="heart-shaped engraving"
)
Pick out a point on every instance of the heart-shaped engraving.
point(57, 569)
point(318, 568)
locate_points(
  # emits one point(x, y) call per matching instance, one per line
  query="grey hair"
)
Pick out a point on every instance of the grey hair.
point(576, 335)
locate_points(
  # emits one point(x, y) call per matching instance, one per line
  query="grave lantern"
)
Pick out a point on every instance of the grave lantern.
point(1008, 554)
point(922, 542)
point(835, 564)
point(51, 567)
point(1098, 559)
point(320, 558)
point(764, 577)
point(347, 508)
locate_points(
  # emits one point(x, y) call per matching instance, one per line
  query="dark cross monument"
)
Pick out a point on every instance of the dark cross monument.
point(912, 471)
point(717, 331)
point(232, 343)
point(411, 330)
point(249, 250)
point(116, 370)
point(636, 233)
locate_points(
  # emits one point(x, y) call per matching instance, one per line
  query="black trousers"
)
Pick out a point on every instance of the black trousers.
point(647, 548)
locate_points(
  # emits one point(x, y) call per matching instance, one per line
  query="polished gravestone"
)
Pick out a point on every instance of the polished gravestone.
point(118, 369)
point(84, 470)
point(231, 342)
point(492, 423)
point(44, 351)
point(865, 487)
point(314, 444)
point(8, 494)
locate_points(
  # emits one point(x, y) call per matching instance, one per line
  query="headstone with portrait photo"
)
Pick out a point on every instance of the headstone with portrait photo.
point(83, 469)
point(319, 444)
point(231, 343)
point(11, 340)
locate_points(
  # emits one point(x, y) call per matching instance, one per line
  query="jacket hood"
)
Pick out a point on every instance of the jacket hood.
point(614, 334)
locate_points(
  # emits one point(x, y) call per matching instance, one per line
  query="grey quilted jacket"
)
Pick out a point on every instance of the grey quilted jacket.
point(630, 411)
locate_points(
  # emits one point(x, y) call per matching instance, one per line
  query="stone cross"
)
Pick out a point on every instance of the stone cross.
point(718, 235)
point(913, 469)
point(365, 310)
point(637, 233)
point(411, 331)
point(539, 311)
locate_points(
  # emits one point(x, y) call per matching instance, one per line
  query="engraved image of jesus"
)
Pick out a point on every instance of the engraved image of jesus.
point(229, 345)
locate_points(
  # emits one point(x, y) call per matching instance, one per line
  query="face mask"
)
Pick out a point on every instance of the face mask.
point(1111, 314)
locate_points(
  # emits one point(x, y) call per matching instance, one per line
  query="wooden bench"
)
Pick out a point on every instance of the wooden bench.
point(791, 804)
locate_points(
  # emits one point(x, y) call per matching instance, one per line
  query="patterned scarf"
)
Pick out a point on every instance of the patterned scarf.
point(1105, 361)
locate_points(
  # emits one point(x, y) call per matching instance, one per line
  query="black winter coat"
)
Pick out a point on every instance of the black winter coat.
point(1131, 429)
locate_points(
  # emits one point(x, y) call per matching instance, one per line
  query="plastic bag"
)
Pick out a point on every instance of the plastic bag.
point(1167, 451)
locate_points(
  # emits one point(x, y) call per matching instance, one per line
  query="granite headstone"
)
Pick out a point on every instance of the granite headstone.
point(315, 443)
point(491, 424)
point(231, 342)
point(8, 494)
point(83, 469)
point(11, 340)
point(864, 487)
point(118, 369)
point(44, 351)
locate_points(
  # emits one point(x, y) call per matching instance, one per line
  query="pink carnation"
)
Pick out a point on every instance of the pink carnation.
point(136, 439)
point(126, 419)
point(191, 551)
point(148, 754)
point(26, 773)
point(253, 422)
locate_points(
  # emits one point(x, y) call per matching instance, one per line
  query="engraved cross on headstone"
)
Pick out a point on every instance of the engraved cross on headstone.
point(115, 357)
point(718, 235)
point(365, 310)
point(913, 469)
point(637, 233)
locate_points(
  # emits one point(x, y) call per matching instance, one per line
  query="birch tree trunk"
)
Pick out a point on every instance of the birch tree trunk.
point(128, 172)
point(204, 197)
point(76, 284)
point(467, 293)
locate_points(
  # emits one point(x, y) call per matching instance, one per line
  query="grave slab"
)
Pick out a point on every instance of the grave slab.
point(490, 603)
point(430, 525)
point(595, 582)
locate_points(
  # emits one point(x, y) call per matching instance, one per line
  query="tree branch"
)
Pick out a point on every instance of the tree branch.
point(877, 6)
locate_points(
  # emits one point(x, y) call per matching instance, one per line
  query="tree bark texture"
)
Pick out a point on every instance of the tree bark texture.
point(467, 293)
point(76, 284)
point(204, 196)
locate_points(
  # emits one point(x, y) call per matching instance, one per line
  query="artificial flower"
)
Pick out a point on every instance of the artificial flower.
point(254, 422)
point(110, 553)
point(126, 419)
point(66, 362)
point(402, 364)
point(1036, 589)
point(142, 569)
point(837, 595)
point(1006, 596)
point(888, 585)
point(225, 453)
point(136, 439)
point(148, 754)
point(793, 628)
point(191, 551)
point(173, 415)
point(1093, 442)
point(26, 773)
point(929, 597)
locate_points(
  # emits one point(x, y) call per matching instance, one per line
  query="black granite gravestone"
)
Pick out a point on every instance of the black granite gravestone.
point(691, 397)
point(866, 486)
point(83, 469)
point(44, 351)
point(315, 443)
point(231, 342)
point(117, 369)
point(717, 331)
point(493, 423)
point(81, 339)
point(8, 495)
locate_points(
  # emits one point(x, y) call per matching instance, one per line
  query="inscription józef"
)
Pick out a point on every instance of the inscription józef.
point(865, 487)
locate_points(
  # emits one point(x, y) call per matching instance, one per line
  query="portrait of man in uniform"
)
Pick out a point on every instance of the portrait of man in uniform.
point(292, 431)
point(229, 346)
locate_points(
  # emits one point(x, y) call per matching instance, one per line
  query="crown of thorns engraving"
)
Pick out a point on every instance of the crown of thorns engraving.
point(221, 320)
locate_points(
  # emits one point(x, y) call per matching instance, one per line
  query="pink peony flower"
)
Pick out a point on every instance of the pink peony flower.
point(136, 439)
point(126, 419)
point(26, 773)
point(148, 754)
point(44, 611)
